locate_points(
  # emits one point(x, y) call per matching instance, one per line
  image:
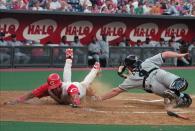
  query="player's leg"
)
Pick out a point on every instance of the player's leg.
point(67, 68)
point(172, 95)
point(91, 76)
point(172, 82)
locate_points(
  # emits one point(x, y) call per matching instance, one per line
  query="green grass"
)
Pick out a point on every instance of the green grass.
point(35, 126)
point(31, 80)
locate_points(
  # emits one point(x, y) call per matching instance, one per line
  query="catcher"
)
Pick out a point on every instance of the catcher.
point(149, 76)
point(63, 92)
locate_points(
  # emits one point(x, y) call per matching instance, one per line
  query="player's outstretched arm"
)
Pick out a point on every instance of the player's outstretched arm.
point(55, 97)
point(113, 93)
point(172, 54)
point(20, 99)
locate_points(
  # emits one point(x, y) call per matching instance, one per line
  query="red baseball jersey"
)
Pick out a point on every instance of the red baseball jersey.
point(41, 91)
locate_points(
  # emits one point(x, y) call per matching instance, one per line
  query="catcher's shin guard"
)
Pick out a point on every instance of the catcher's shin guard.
point(179, 84)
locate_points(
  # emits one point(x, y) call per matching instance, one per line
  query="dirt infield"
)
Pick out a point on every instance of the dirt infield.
point(127, 109)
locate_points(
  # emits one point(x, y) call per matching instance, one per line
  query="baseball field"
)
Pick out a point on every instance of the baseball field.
point(134, 110)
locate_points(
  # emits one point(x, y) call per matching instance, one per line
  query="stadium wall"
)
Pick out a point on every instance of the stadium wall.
point(49, 26)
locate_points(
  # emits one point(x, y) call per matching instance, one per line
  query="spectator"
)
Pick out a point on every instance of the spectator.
point(124, 42)
point(42, 3)
point(36, 6)
point(192, 8)
point(146, 8)
point(3, 4)
point(64, 41)
point(85, 3)
point(78, 52)
point(87, 9)
point(147, 43)
point(128, 5)
point(65, 6)
point(94, 50)
point(183, 61)
point(19, 55)
point(193, 13)
point(156, 9)
point(171, 9)
point(104, 48)
point(95, 9)
point(161, 43)
point(54, 5)
point(105, 10)
point(135, 3)
point(111, 9)
point(192, 45)
point(4, 52)
point(18, 4)
point(138, 43)
point(124, 9)
point(76, 42)
point(118, 58)
point(139, 10)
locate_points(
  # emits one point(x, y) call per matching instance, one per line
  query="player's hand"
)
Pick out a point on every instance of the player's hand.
point(12, 102)
point(182, 55)
point(69, 53)
point(96, 98)
point(97, 65)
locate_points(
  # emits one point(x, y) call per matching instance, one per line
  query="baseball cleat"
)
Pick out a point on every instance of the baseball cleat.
point(69, 53)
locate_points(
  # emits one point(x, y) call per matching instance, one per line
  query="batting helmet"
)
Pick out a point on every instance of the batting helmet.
point(131, 61)
point(184, 100)
point(54, 81)
point(74, 93)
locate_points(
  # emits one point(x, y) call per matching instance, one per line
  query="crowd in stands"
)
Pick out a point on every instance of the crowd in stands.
point(132, 7)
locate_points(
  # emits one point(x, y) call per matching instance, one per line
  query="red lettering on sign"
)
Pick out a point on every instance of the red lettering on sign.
point(111, 31)
point(37, 29)
point(44, 30)
point(68, 30)
point(182, 32)
point(73, 30)
point(86, 30)
point(136, 32)
point(144, 32)
point(103, 31)
point(152, 32)
point(8, 29)
point(177, 32)
point(31, 29)
point(3, 28)
point(50, 29)
point(120, 32)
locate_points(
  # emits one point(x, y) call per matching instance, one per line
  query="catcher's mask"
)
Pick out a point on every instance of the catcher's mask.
point(132, 61)
point(184, 100)
point(54, 81)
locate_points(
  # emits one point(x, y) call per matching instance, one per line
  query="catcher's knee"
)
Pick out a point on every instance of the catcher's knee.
point(180, 84)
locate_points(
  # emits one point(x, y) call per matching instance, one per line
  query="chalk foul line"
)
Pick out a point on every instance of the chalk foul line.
point(133, 112)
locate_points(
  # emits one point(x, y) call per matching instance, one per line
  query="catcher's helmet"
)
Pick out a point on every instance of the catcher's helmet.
point(54, 81)
point(131, 61)
point(184, 100)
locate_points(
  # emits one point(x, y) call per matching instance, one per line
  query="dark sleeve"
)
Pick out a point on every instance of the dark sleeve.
point(120, 73)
